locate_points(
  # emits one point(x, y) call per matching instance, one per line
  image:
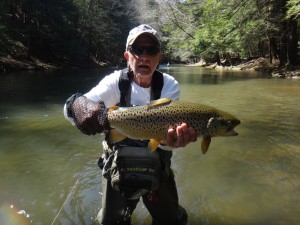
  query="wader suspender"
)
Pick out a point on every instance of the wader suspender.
point(125, 89)
point(126, 79)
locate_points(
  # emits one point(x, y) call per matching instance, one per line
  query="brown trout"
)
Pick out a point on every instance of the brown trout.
point(153, 121)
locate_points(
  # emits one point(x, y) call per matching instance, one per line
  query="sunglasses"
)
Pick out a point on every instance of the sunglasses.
point(138, 50)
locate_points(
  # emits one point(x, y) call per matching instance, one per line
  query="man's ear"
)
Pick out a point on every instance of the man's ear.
point(126, 55)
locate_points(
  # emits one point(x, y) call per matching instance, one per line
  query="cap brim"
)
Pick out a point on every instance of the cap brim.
point(152, 36)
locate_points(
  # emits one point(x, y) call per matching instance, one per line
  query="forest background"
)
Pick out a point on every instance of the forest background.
point(35, 34)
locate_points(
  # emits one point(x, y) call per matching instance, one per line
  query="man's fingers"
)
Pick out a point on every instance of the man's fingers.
point(170, 136)
point(193, 134)
point(181, 136)
point(186, 134)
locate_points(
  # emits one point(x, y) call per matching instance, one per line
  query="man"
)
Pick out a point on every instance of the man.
point(143, 53)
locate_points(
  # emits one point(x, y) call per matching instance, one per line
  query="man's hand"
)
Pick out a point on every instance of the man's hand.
point(180, 137)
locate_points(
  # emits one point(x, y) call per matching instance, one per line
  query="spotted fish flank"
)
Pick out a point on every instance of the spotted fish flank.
point(153, 121)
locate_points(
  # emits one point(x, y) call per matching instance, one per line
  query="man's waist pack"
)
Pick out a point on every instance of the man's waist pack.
point(133, 170)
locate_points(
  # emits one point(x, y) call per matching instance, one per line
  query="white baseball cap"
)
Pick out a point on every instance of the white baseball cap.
point(142, 29)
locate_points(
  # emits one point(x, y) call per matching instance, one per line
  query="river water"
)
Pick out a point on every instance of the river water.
point(49, 172)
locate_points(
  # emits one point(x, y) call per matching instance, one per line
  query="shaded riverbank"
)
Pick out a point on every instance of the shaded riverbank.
point(259, 64)
point(19, 59)
point(9, 63)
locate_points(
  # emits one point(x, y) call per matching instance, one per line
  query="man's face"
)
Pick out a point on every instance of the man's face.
point(143, 64)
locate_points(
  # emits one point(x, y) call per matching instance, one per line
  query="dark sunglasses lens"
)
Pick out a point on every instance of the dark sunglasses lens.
point(152, 50)
point(138, 50)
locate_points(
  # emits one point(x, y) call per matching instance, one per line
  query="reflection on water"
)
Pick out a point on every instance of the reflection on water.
point(49, 169)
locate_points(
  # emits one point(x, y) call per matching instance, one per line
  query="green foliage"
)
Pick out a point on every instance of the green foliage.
point(228, 27)
point(79, 30)
point(197, 29)
point(293, 8)
point(66, 30)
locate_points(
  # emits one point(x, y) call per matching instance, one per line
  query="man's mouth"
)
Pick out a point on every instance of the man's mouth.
point(143, 66)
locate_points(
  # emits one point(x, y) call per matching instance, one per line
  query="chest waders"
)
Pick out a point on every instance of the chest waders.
point(161, 203)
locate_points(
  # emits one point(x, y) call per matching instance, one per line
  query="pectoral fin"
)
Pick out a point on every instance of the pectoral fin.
point(153, 144)
point(159, 102)
point(205, 144)
point(115, 136)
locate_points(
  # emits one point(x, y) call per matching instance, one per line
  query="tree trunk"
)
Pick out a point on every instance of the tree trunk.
point(217, 56)
point(274, 47)
point(282, 51)
point(292, 43)
point(261, 48)
point(283, 44)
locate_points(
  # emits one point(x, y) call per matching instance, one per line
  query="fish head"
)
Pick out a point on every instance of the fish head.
point(219, 124)
point(223, 126)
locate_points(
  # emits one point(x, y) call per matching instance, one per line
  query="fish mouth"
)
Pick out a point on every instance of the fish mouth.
point(225, 133)
point(232, 133)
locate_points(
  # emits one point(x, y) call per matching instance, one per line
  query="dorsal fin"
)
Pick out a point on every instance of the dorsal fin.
point(159, 102)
